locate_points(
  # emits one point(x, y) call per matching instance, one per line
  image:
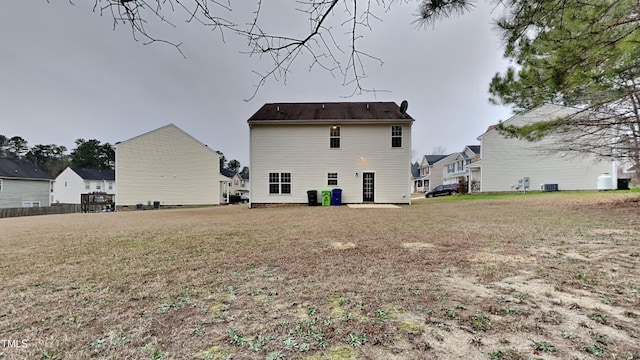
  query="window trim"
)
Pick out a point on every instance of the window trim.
point(1, 185)
point(279, 183)
point(334, 137)
point(396, 136)
point(332, 179)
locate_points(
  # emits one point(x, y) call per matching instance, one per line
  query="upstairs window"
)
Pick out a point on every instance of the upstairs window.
point(87, 185)
point(334, 137)
point(279, 183)
point(396, 136)
point(332, 179)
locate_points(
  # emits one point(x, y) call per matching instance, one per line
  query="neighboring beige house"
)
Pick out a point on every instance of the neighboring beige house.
point(505, 163)
point(362, 148)
point(23, 184)
point(169, 167)
point(74, 181)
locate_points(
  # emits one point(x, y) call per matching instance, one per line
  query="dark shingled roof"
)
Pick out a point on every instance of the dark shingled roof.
point(21, 169)
point(94, 174)
point(475, 148)
point(432, 159)
point(318, 112)
point(228, 173)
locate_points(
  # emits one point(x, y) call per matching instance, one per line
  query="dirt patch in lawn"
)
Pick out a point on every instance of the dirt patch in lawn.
point(516, 278)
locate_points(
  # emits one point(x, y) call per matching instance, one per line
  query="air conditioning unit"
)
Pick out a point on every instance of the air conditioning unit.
point(549, 187)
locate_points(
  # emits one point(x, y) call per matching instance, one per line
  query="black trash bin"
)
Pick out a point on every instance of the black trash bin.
point(156, 205)
point(139, 206)
point(312, 196)
point(336, 197)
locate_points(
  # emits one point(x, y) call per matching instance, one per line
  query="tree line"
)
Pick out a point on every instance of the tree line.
point(54, 158)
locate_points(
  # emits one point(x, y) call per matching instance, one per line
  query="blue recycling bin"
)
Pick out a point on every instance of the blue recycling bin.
point(336, 197)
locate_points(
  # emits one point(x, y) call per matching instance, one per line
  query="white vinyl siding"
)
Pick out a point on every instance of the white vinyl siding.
point(303, 150)
point(505, 161)
point(169, 166)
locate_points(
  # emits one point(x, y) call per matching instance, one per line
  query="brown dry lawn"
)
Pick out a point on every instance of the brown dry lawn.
point(550, 276)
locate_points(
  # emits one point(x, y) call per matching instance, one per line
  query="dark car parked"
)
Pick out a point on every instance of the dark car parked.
point(441, 190)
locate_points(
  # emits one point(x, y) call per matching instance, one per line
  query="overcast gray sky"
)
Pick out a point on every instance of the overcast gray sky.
point(65, 74)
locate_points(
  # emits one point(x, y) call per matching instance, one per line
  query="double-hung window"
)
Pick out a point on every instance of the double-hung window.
point(279, 183)
point(334, 137)
point(396, 136)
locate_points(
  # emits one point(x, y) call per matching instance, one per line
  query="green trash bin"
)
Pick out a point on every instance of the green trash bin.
point(326, 197)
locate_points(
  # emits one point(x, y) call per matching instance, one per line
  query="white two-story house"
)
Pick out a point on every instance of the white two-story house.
point(74, 181)
point(455, 166)
point(428, 175)
point(362, 148)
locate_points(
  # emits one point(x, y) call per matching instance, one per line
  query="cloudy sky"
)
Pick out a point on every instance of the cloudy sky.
point(66, 74)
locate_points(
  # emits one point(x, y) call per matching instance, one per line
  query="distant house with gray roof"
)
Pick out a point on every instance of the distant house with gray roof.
point(362, 148)
point(74, 181)
point(425, 179)
point(23, 184)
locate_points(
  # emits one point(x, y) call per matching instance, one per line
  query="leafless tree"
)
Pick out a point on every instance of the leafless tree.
point(438, 150)
point(331, 41)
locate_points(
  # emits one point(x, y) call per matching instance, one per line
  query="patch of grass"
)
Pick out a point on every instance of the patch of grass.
point(509, 310)
point(596, 350)
point(520, 295)
point(598, 317)
point(543, 346)
point(357, 339)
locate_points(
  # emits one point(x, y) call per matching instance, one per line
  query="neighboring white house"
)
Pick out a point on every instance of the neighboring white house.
point(23, 185)
point(362, 148)
point(74, 181)
point(240, 184)
point(505, 162)
point(427, 177)
point(454, 168)
point(236, 184)
point(169, 167)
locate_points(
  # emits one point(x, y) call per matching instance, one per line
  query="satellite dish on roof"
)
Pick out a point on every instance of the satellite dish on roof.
point(403, 106)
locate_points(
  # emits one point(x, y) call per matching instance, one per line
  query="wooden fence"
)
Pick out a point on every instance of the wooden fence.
point(45, 210)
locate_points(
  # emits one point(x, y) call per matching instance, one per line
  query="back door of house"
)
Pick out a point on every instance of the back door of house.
point(367, 186)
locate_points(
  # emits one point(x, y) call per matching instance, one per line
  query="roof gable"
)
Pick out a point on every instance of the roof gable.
point(432, 159)
point(330, 112)
point(94, 174)
point(21, 169)
point(545, 112)
point(168, 127)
